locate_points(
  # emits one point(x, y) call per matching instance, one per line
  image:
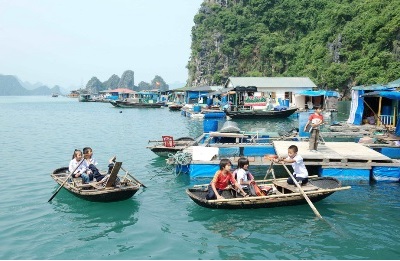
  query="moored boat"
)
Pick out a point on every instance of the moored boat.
point(280, 194)
point(128, 104)
point(169, 145)
point(96, 192)
point(267, 114)
point(175, 107)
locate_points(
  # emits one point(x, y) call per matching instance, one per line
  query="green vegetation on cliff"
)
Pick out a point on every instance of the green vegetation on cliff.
point(337, 43)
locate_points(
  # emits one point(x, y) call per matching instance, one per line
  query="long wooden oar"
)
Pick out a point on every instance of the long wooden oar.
point(65, 181)
point(127, 173)
point(302, 192)
point(270, 170)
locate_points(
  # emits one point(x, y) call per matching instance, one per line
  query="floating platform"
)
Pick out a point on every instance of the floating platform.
point(343, 154)
point(347, 160)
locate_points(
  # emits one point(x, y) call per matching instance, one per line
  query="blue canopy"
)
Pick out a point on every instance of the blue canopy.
point(319, 93)
point(385, 94)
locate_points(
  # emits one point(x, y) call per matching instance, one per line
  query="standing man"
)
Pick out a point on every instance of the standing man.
point(315, 120)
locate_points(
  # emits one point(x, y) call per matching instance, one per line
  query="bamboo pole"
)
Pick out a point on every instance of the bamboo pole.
point(379, 109)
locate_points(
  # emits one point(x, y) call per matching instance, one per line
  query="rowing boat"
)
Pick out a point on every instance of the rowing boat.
point(94, 191)
point(280, 194)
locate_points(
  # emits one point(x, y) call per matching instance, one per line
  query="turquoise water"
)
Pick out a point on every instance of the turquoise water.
point(39, 134)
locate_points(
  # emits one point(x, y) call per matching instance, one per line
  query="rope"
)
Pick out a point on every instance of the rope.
point(179, 159)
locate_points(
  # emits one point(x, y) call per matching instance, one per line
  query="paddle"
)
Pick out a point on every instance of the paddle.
point(62, 185)
point(127, 173)
point(270, 170)
point(302, 192)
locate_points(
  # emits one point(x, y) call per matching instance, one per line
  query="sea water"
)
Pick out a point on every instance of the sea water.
point(39, 134)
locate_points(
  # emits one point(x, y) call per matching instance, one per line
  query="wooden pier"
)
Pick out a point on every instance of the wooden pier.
point(337, 155)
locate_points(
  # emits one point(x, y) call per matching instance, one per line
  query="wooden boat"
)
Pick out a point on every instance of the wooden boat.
point(267, 114)
point(169, 146)
point(283, 194)
point(128, 104)
point(85, 98)
point(175, 107)
point(96, 192)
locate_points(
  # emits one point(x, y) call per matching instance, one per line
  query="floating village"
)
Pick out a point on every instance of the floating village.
point(365, 147)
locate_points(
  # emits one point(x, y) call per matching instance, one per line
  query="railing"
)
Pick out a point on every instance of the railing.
point(388, 120)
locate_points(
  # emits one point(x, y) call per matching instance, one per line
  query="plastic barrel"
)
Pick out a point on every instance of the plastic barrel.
point(196, 108)
point(303, 118)
point(286, 102)
point(210, 125)
point(214, 115)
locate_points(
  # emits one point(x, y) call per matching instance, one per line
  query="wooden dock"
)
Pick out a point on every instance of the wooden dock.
point(337, 154)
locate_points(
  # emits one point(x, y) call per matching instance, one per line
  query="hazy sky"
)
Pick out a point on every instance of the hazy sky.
point(67, 42)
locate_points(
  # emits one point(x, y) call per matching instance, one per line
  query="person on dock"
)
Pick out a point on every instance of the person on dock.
point(315, 121)
point(300, 171)
point(74, 163)
point(222, 179)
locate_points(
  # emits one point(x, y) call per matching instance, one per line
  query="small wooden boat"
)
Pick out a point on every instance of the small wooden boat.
point(175, 107)
point(128, 104)
point(96, 192)
point(266, 114)
point(282, 194)
point(169, 145)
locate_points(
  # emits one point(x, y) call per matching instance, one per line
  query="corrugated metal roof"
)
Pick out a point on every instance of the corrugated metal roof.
point(372, 87)
point(394, 84)
point(206, 89)
point(271, 82)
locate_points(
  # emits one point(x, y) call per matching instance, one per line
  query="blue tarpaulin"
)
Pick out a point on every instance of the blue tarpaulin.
point(319, 93)
point(386, 94)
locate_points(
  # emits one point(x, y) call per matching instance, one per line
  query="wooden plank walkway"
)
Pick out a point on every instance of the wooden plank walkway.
point(333, 152)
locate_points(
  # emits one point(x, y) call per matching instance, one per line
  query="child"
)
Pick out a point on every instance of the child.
point(315, 120)
point(90, 167)
point(243, 175)
point(76, 162)
point(221, 181)
point(300, 172)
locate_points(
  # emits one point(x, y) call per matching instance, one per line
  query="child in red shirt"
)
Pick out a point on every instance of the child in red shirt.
point(315, 120)
point(222, 178)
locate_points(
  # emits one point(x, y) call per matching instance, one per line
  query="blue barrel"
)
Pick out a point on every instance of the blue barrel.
point(210, 125)
point(196, 108)
point(286, 102)
point(303, 118)
point(280, 101)
point(210, 115)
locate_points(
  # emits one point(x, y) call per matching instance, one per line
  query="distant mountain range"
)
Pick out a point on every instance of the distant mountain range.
point(11, 86)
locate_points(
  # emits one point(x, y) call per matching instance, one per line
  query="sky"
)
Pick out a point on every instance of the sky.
point(67, 42)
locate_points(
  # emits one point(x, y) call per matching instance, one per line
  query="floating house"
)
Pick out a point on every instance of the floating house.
point(372, 109)
point(308, 99)
point(265, 92)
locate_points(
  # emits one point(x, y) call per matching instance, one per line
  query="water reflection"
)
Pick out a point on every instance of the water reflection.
point(94, 220)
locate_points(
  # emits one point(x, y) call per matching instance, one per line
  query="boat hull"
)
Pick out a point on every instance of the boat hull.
point(274, 200)
point(122, 104)
point(93, 193)
point(163, 151)
point(251, 114)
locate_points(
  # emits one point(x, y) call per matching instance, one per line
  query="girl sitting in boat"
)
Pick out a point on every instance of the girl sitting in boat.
point(76, 165)
point(242, 173)
point(222, 179)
